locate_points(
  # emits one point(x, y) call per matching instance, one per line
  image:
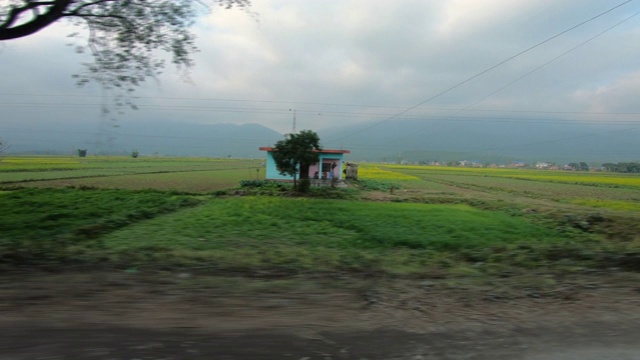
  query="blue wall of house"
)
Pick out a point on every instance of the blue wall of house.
point(272, 172)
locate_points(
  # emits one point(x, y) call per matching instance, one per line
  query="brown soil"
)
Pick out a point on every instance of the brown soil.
point(119, 315)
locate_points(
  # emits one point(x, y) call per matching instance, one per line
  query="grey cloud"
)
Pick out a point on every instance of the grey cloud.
point(372, 53)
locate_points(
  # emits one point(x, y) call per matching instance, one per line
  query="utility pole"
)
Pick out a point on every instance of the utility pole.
point(293, 131)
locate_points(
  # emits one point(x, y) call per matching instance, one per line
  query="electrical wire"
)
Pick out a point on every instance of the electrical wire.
point(481, 73)
point(454, 115)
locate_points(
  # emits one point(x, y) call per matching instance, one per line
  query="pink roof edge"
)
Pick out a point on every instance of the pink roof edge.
point(328, 151)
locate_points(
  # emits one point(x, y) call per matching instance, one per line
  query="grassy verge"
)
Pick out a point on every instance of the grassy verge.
point(286, 235)
point(39, 226)
point(283, 235)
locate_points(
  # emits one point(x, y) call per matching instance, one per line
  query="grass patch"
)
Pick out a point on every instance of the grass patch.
point(196, 182)
point(39, 224)
point(300, 234)
point(446, 221)
point(568, 177)
point(184, 174)
point(377, 185)
point(334, 224)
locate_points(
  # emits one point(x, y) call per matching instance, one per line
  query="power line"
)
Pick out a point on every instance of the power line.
point(340, 114)
point(354, 114)
point(550, 61)
point(454, 115)
point(211, 99)
point(483, 72)
point(200, 138)
point(322, 112)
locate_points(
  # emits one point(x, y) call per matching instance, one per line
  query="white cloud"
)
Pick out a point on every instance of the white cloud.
point(621, 95)
point(461, 17)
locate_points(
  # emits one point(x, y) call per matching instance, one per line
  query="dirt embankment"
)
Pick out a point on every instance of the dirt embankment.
point(117, 315)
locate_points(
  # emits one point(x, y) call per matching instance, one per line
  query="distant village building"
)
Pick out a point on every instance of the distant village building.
point(544, 165)
point(328, 167)
point(517, 164)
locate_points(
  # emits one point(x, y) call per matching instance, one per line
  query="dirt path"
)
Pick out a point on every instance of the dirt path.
point(590, 342)
point(116, 315)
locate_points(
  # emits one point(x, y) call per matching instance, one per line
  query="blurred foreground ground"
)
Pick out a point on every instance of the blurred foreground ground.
point(119, 315)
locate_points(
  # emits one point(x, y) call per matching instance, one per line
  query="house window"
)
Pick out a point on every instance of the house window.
point(326, 167)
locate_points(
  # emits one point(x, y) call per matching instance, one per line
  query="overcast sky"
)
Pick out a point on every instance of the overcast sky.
point(345, 62)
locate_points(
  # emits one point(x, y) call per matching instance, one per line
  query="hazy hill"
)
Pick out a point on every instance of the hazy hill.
point(149, 138)
point(411, 140)
point(418, 140)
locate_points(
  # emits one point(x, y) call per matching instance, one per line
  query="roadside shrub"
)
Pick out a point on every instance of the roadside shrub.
point(220, 193)
point(261, 184)
point(304, 185)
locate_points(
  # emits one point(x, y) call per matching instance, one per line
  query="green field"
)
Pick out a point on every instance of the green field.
point(197, 175)
point(402, 220)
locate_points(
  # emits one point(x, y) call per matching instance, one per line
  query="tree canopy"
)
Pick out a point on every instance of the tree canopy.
point(579, 166)
point(296, 153)
point(124, 36)
point(622, 167)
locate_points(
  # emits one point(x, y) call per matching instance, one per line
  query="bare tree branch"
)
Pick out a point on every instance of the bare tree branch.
point(123, 36)
point(4, 145)
point(54, 13)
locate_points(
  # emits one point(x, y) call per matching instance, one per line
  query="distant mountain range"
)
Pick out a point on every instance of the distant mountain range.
point(419, 140)
point(161, 138)
point(394, 140)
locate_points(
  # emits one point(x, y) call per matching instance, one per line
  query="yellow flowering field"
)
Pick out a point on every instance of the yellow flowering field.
point(185, 174)
point(48, 163)
point(584, 178)
point(449, 169)
point(569, 177)
point(38, 162)
point(375, 172)
point(608, 204)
